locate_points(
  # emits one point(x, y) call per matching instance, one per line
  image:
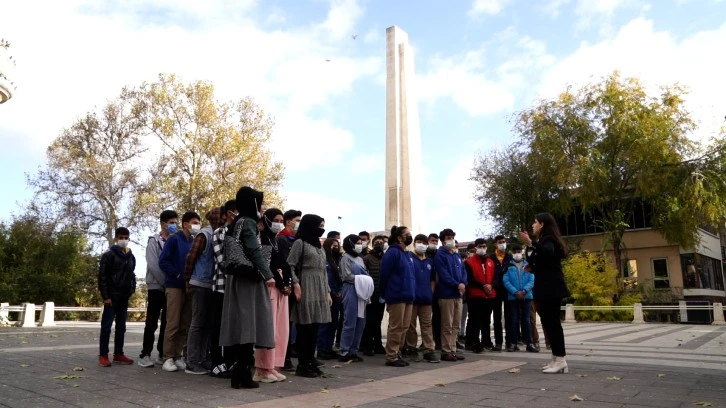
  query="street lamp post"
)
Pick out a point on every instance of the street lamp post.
point(7, 72)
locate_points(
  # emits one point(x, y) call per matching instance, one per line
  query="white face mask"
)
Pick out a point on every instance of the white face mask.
point(385, 246)
point(433, 247)
point(297, 225)
point(276, 227)
point(358, 248)
point(502, 247)
point(420, 248)
point(517, 257)
point(122, 243)
point(365, 244)
point(450, 243)
point(481, 251)
point(195, 228)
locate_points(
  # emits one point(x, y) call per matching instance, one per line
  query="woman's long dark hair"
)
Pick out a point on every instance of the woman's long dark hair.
point(395, 233)
point(332, 256)
point(550, 229)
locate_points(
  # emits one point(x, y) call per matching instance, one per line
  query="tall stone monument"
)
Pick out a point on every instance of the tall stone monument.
point(404, 200)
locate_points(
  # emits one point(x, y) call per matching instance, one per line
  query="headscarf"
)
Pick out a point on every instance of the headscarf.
point(310, 231)
point(349, 245)
point(267, 235)
point(249, 202)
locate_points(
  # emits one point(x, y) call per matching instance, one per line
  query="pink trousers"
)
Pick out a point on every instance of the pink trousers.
point(268, 359)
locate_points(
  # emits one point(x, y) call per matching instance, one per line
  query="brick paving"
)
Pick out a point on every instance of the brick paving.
point(611, 365)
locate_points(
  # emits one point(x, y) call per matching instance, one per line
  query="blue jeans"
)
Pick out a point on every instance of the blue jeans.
point(352, 324)
point(118, 311)
point(519, 312)
point(326, 331)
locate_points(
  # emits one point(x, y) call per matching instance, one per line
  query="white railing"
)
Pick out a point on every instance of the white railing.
point(47, 312)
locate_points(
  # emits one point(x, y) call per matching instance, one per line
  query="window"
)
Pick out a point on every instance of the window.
point(630, 268)
point(702, 272)
point(660, 273)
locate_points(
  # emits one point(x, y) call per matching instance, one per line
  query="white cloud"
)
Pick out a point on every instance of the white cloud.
point(373, 36)
point(284, 70)
point(657, 58)
point(491, 7)
point(594, 13)
point(367, 163)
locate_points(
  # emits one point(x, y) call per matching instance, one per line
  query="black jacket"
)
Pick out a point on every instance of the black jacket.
point(500, 268)
point(373, 264)
point(116, 274)
point(546, 263)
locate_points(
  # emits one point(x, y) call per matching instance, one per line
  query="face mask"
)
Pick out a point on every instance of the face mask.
point(195, 228)
point(378, 247)
point(276, 227)
point(385, 246)
point(420, 248)
point(321, 231)
point(408, 241)
point(358, 248)
point(172, 228)
point(364, 243)
point(450, 243)
point(481, 251)
point(517, 257)
point(502, 247)
point(433, 247)
point(122, 243)
point(297, 225)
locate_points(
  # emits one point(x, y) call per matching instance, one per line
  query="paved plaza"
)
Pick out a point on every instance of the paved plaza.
point(611, 365)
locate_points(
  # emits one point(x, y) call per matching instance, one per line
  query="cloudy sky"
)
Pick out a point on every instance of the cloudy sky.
point(477, 63)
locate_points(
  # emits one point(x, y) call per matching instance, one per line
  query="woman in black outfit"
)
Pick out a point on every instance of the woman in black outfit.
point(545, 256)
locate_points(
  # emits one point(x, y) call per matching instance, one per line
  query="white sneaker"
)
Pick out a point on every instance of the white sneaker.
point(145, 362)
point(169, 365)
point(181, 364)
point(159, 360)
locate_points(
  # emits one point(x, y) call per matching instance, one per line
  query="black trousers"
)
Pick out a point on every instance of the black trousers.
point(549, 313)
point(478, 323)
point(436, 323)
point(155, 309)
point(307, 338)
point(372, 338)
point(497, 316)
point(219, 354)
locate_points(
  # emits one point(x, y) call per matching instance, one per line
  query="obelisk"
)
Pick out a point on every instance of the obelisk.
point(404, 203)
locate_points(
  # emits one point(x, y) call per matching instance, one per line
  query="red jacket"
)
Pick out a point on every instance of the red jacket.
point(480, 272)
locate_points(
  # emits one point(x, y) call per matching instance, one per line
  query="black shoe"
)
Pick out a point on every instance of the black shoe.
point(305, 370)
point(396, 363)
point(328, 355)
point(242, 377)
point(317, 370)
point(357, 359)
point(478, 349)
point(449, 357)
point(459, 356)
point(532, 348)
point(288, 365)
point(319, 363)
point(497, 348)
point(368, 352)
point(511, 348)
point(345, 359)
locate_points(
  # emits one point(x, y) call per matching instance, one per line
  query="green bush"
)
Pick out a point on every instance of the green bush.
point(591, 279)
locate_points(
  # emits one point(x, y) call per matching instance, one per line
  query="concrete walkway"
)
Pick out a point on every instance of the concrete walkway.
point(611, 365)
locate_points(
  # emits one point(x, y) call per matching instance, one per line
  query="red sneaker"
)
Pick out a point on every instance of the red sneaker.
point(103, 361)
point(122, 359)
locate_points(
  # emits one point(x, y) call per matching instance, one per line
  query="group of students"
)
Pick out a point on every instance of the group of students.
point(317, 299)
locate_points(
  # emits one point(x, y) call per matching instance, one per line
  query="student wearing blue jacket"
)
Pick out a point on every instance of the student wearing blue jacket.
point(450, 286)
point(397, 283)
point(519, 284)
point(425, 282)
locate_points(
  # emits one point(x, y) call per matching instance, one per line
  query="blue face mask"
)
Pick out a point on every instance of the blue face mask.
point(171, 228)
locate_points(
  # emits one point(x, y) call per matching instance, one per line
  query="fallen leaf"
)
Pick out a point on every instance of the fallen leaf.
point(575, 398)
point(614, 378)
point(66, 377)
point(337, 366)
point(24, 365)
point(582, 375)
point(514, 370)
point(23, 342)
point(77, 368)
point(661, 375)
point(324, 390)
point(337, 406)
point(54, 336)
point(75, 385)
point(348, 362)
point(440, 384)
point(370, 380)
point(587, 355)
point(704, 403)
point(326, 375)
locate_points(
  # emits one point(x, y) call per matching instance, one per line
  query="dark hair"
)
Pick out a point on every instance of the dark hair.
point(166, 215)
point(499, 238)
point(230, 205)
point(366, 233)
point(290, 214)
point(122, 231)
point(515, 247)
point(379, 237)
point(395, 233)
point(470, 247)
point(349, 244)
point(332, 234)
point(332, 257)
point(550, 229)
point(448, 232)
point(480, 241)
point(190, 215)
point(420, 237)
point(433, 235)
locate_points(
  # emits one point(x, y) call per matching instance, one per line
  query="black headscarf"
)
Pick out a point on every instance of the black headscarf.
point(269, 215)
point(249, 202)
point(310, 231)
point(349, 245)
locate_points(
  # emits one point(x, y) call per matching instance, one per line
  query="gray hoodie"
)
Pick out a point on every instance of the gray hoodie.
point(154, 275)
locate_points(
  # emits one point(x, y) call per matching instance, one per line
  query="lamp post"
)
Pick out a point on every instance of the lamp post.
point(7, 72)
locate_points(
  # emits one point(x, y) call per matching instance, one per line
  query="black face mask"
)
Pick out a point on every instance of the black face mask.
point(320, 232)
point(378, 247)
point(408, 241)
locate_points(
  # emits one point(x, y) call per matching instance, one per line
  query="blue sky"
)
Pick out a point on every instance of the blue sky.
point(477, 63)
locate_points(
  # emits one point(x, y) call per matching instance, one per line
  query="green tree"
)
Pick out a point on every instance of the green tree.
point(92, 171)
point(209, 149)
point(38, 264)
point(609, 145)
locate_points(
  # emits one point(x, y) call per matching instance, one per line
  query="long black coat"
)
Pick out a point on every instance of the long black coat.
point(546, 263)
